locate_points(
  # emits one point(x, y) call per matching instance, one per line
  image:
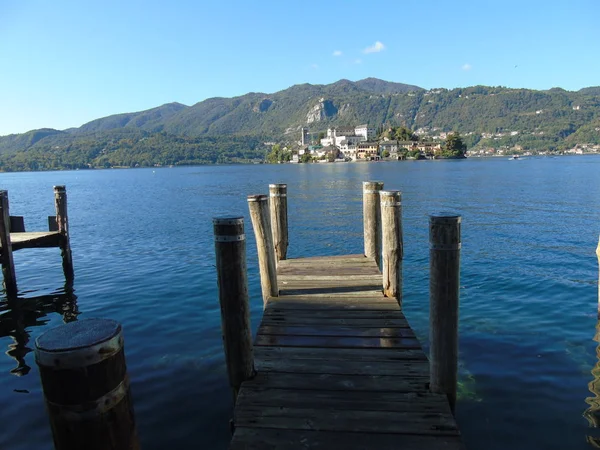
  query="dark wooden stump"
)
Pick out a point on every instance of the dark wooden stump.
point(232, 277)
point(85, 383)
point(444, 285)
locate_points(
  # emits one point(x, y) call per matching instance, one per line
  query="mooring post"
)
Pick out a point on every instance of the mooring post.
point(444, 284)
point(598, 255)
point(232, 278)
point(372, 219)
point(8, 265)
point(259, 213)
point(86, 387)
point(392, 245)
point(279, 218)
point(62, 221)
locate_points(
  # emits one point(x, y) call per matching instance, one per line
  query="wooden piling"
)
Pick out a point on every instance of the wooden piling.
point(232, 278)
point(444, 284)
point(279, 218)
point(598, 255)
point(62, 221)
point(8, 265)
point(261, 223)
point(372, 220)
point(392, 245)
point(86, 387)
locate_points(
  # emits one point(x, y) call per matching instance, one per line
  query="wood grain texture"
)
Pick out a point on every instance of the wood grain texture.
point(372, 219)
point(338, 366)
point(444, 285)
point(62, 220)
point(232, 279)
point(8, 264)
point(392, 245)
point(261, 223)
point(279, 218)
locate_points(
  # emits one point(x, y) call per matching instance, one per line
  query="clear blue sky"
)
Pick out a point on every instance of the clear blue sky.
point(66, 62)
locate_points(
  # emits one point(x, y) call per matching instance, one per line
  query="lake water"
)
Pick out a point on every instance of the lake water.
point(143, 255)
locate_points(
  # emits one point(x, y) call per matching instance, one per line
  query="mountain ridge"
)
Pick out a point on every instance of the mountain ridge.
point(485, 115)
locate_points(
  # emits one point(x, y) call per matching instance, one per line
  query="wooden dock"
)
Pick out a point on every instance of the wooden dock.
point(338, 366)
point(13, 237)
point(335, 363)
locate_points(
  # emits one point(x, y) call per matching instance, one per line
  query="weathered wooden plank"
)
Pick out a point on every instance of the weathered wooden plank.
point(278, 439)
point(338, 382)
point(316, 259)
point(309, 299)
point(340, 354)
point(329, 293)
point(405, 369)
point(334, 321)
point(344, 420)
point(34, 239)
point(325, 330)
point(369, 283)
point(335, 341)
point(422, 402)
point(333, 270)
point(333, 279)
point(365, 305)
point(273, 311)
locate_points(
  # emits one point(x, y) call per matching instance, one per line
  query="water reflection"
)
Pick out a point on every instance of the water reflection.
point(592, 414)
point(19, 314)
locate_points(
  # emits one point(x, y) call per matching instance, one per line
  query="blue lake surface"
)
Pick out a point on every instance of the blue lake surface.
point(143, 254)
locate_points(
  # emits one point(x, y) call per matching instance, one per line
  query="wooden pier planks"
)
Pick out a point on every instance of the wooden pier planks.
point(35, 239)
point(338, 366)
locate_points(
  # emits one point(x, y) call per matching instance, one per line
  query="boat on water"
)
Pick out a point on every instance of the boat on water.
point(513, 157)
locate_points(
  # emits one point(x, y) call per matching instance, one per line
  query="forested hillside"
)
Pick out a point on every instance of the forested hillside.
point(235, 129)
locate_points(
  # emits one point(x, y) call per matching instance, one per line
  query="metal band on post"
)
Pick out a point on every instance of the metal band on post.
point(232, 278)
point(85, 384)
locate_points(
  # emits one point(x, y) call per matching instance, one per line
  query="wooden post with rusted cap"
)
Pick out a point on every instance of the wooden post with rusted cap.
point(232, 278)
point(372, 220)
point(259, 213)
point(444, 284)
point(86, 387)
point(279, 218)
point(392, 245)
point(62, 221)
point(8, 265)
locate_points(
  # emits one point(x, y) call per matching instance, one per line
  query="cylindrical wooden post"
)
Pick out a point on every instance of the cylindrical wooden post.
point(232, 278)
point(372, 220)
point(444, 283)
point(8, 265)
point(259, 213)
point(392, 245)
point(598, 255)
point(279, 218)
point(62, 221)
point(85, 383)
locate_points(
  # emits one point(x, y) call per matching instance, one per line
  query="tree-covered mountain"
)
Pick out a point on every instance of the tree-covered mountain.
point(235, 129)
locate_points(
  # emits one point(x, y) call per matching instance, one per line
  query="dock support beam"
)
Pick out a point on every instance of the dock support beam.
point(372, 220)
point(392, 245)
point(232, 278)
point(8, 265)
point(444, 284)
point(279, 218)
point(259, 213)
point(62, 221)
point(86, 387)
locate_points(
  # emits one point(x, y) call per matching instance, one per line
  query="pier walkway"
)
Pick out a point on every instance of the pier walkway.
point(338, 366)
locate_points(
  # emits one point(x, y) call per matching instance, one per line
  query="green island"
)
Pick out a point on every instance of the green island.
point(258, 127)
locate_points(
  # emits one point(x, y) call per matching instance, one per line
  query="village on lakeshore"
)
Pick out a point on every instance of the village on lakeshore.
point(363, 143)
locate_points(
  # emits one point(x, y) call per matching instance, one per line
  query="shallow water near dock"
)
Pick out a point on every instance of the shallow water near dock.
point(143, 254)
